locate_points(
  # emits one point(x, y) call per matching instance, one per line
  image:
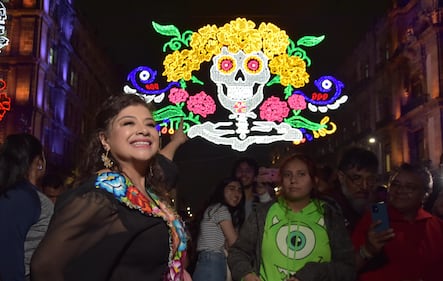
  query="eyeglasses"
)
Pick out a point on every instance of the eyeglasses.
point(408, 188)
point(359, 180)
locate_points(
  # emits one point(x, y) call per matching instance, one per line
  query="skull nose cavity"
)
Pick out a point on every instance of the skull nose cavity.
point(239, 75)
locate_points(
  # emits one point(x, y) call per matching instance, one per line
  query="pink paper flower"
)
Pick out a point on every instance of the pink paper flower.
point(297, 102)
point(177, 95)
point(273, 109)
point(201, 104)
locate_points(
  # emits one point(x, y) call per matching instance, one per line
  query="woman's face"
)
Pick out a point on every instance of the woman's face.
point(296, 183)
point(406, 191)
point(233, 193)
point(132, 136)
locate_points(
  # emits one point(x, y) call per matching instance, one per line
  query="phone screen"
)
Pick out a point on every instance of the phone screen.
point(380, 212)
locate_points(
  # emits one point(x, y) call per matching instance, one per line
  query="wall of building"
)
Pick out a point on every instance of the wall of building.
point(56, 76)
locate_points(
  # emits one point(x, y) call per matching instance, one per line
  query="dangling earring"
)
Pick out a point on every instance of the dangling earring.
point(107, 162)
point(151, 173)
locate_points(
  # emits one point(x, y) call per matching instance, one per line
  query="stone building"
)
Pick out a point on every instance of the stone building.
point(54, 75)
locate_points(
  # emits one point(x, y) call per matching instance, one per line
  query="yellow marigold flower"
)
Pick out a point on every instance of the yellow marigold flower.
point(238, 34)
point(291, 69)
point(250, 41)
point(225, 37)
point(275, 40)
point(178, 65)
point(209, 31)
point(197, 41)
point(213, 47)
point(242, 24)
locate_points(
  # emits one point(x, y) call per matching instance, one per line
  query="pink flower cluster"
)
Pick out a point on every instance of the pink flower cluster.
point(273, 109)
point(178, 95)
point(297, 102)
point(200, 103)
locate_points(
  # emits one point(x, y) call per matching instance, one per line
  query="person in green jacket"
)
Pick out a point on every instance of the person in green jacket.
point(297, 237)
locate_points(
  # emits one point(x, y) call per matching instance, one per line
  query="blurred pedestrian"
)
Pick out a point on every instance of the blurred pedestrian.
point(24, 211)
point(52, 186)
point(116, 224)
point(246, 169)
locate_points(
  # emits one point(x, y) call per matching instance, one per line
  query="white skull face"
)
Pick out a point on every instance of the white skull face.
point(240, 78)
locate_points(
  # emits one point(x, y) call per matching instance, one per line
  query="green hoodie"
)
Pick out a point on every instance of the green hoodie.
point(245, 256)
point(292, 239)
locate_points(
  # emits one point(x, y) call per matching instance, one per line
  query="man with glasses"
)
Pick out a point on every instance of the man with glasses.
point(411, 248)
point(357, 178)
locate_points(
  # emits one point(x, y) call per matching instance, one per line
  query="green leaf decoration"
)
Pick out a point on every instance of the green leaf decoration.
point(310, 41)
point(275, 80)
point(167, 30)
point(183, 84)
point(174, 44)
point(168, 112)
point(302, 54)
point(288, 91)
point(186, 37)
point(298, 121)
point(195, 80)
point(291, 46)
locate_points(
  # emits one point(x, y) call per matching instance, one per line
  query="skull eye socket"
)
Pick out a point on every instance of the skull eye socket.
point(226, 64)
point(253, 64)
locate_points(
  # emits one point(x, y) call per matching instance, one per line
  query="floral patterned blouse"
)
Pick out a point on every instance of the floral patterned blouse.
point(125, 192)
point(107, 230)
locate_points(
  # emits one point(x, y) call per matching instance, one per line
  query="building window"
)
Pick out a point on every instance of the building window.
point(28, 25)
point(51, 57)
point(29, 3)
point(73, 79)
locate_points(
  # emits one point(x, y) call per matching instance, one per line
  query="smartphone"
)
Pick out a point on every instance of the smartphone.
point(380, 213)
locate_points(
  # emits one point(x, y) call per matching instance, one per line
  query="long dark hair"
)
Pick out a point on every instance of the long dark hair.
point(16, 156)
point(109, 109)
point(218, 196)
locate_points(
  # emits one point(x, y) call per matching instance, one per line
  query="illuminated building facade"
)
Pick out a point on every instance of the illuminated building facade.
point(54, 75)
point(395, 84)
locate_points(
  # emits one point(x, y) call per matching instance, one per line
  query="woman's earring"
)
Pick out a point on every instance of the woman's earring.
point(151, 173)
point(107, 162)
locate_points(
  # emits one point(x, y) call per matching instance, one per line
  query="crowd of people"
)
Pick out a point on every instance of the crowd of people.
point(298, 221)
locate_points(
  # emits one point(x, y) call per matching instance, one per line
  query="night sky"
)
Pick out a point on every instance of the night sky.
point(124, 30)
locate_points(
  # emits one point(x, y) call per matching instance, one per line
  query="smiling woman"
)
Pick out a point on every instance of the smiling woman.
point(118, 219)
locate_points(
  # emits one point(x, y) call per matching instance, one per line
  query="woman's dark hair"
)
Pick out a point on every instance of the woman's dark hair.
point(16, 156)
point(311, 165)
point(109, 109)
point(218, 196)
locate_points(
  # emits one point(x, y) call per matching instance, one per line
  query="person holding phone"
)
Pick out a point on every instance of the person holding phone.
point(379, 213)
point(411, 248)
